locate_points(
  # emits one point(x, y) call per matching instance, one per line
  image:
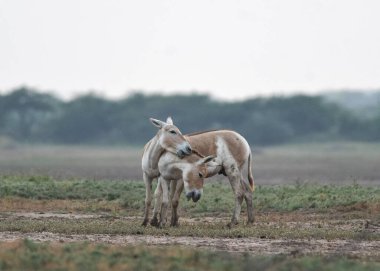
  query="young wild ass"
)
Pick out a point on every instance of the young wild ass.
point(232, 151)
point(190, 171)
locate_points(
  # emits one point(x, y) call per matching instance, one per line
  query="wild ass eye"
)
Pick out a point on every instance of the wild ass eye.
point(173, 132)
point(200, 175)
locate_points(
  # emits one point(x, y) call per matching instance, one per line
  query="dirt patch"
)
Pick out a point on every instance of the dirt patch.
point(51, 215)
point(370, 249)
point(275, 220)
point(56, 205)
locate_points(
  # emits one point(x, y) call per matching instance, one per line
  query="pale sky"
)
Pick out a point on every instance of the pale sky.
point(229, 48)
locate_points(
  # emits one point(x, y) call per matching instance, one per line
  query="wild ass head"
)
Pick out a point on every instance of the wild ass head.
point(194, 175)
point(170, 138)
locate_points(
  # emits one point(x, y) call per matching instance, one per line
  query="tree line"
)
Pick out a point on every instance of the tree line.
point(29, 116)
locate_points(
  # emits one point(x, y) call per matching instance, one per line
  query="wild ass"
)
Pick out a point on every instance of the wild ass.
point(168, 138)
point(232, 151)
point(190, 171)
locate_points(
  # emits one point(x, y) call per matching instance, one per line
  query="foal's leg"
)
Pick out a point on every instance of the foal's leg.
point(148, 197)
point(157, 203)
point(234, 177)
point(165, 201)
point(175, 202)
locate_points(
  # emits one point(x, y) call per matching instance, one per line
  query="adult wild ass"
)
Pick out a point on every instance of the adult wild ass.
point(168, 138)
point(190, 171)
point(232, 151)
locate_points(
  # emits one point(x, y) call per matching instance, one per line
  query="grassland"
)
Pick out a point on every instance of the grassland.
point(82, 211)
point(300, 211)
point(83, 224)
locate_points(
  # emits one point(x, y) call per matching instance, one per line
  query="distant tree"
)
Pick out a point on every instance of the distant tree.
point(83, 120)
point(27, 115)
point(24, 111)
point(374, 127)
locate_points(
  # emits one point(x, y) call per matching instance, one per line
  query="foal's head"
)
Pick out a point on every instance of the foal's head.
point(170, 138)
point(193, 177)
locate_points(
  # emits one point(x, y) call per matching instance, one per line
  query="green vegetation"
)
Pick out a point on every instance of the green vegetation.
point(86, 256)
point(43, 187)
point(217, 197)
point(29, 116)
point(295, 197)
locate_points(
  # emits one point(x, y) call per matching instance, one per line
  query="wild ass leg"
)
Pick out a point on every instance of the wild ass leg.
point(248, 196)
point(148, 197)
point(249, 200)
point(172, 189)
point(157, 203)
point(234, 178)
point(165, 201)
point(175, 202)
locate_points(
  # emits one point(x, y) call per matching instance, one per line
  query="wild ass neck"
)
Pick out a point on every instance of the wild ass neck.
point(153, 153)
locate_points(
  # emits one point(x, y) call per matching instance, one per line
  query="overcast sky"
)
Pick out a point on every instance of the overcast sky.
point(232, 49)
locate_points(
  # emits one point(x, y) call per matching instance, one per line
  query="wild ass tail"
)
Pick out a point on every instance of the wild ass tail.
point(250, 176)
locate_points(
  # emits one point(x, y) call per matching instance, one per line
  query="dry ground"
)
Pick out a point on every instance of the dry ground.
point(349, 233)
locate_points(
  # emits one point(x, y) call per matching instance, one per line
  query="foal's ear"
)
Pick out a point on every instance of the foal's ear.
point(169, 121)
point(206, 159)
point(157, 123)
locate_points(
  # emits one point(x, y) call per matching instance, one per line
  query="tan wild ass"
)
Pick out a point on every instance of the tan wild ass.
point(230, 148)
point(234, 153)
point(190, 171)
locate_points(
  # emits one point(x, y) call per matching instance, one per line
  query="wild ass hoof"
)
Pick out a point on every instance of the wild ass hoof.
point(250, 222)
point(174, 223)
point(154, 222)
point(232, 224)
point(145, 222)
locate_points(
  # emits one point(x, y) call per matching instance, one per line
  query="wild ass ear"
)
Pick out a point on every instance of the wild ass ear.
point(169, 121)
point(205, 160)
point(157, 123)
